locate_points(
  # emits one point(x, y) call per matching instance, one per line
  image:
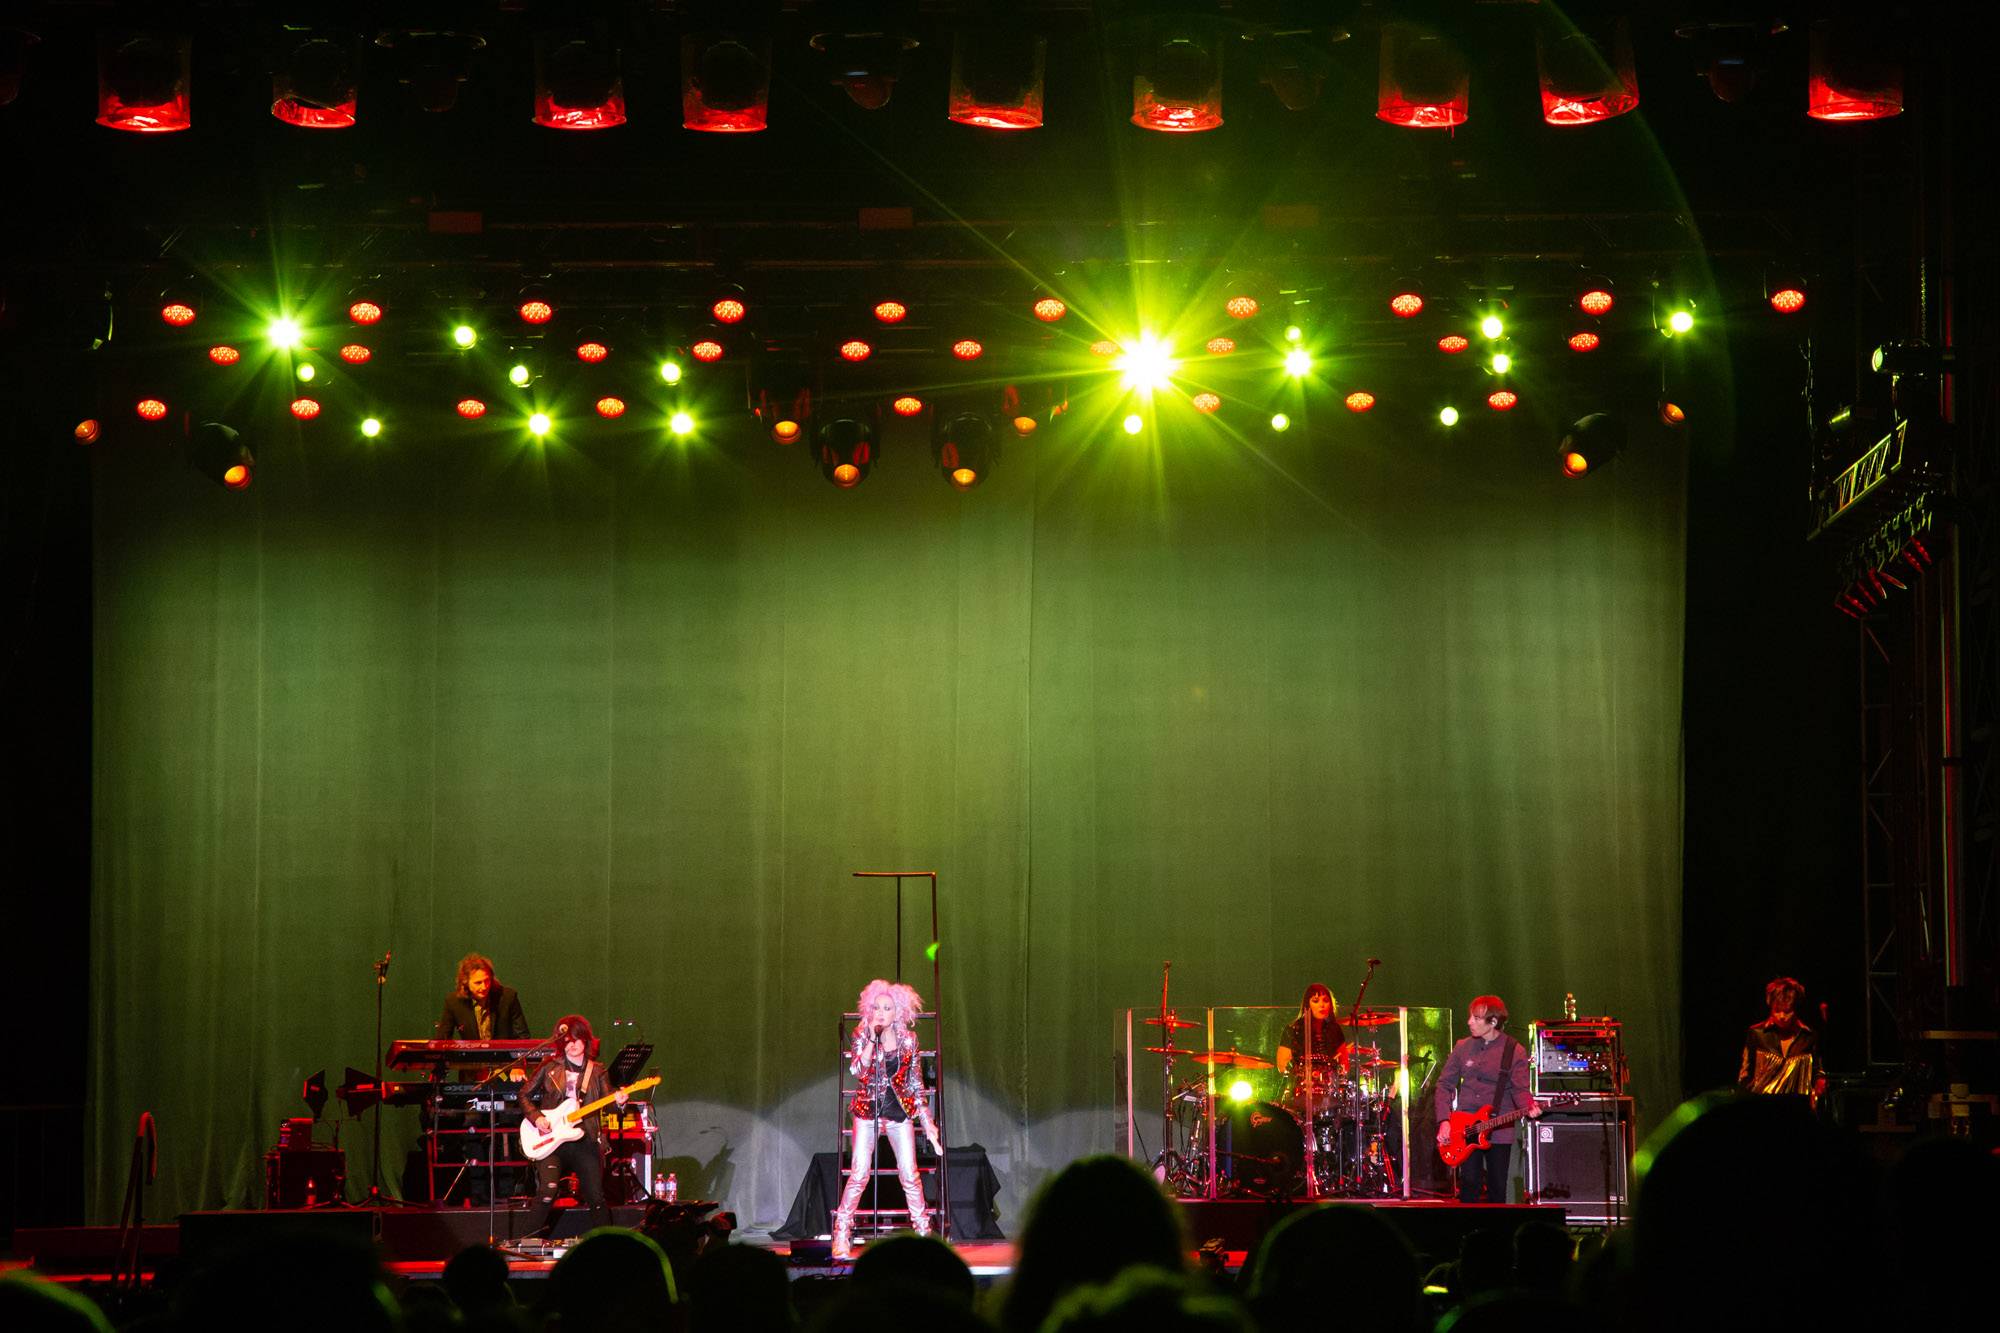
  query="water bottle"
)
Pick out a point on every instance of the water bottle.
point(673, 1190)
point(1569, 1007)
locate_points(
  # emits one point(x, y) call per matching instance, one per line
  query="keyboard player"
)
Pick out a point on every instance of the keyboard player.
point(480, 1008)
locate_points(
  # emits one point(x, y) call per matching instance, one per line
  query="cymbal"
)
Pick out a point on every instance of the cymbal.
point(1175, 1023)
point(1237, 1058)
point(1173, 1050)
point(1370, 1018)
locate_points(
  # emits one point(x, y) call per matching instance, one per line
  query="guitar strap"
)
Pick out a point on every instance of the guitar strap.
point(1506, 1064)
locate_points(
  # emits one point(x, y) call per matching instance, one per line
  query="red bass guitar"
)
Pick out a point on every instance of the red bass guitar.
point(1471, 1129)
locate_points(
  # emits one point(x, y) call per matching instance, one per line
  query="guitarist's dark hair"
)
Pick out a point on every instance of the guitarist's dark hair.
point(1495, 1007)
point(572, 1027)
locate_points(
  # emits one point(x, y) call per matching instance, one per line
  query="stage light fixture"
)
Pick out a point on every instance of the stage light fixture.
point(1583, 341)
point(1298, 363)
point(1447, 416)
point(864, 56)
point(844, 451)
point(1049, 309)
point(14, 45)
point(908, 405)
point(363, 309)
point(519, 375)
point(577, 83)
point(1453, 343)
point(1731, 53)
point(786, 431)
point(433, 64)
point(1221, 346)
point(729, 306)
point(726, 81)
point(1206, 401)
point(997, 76)
point(1786, 292)
point(1104, 347)
point(1134, 423)
point(964, 447)
point(706, 351)
point(1854, 70)
point(1240, 307)
point(1595, 299)
point(1502, 400)
point(610, 407)
point(371, 427)
point(143, 81)
point(670, 371)
point(1177, 82)
point(532, 304)
point(1590, 443)
point(1680, 320)
point(224, 355)
point(1241, 1091)
point(590, 351)
point(305, 372)
point(540, 424)
point(1280, 422)
point(305, 409)
point(890, 312)
point(855, 350)
point(218, 453)
point(1293, 333)
point(150, 409)
point(681, 423)
point(1148, 365)
point(1500, 363)
point(1585, 81)
point(315, 83)
point(968, 349)
point(1492, 327)
point(1360, 401)
point(1422, 81)
point(179, 305)
point(1897, 359)
point(464, 336)
point(284, 333)
point(1407, 303)
point(356, 354)
point(470, 408)
point(1291, 58)
point(1672, 414)
point(1024, 426)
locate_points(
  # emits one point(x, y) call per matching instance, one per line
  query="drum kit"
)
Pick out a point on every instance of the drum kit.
point(1336, 1133)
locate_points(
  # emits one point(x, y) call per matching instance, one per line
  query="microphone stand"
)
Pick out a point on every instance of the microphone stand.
point(375, 1197)
point(1353, 1080)
point(493, 1131)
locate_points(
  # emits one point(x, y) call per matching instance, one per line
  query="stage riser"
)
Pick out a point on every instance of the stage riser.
point(1434, 1229)
point(405, 1234)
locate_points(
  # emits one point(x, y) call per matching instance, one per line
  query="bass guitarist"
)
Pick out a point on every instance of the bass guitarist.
point(1487, 1069)
point(572, 1073)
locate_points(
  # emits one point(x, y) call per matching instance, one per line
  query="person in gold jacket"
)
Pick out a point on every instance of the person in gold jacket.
point(1781, 1054)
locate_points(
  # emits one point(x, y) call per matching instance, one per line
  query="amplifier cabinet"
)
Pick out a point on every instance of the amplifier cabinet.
point(304, 1177)
point(1581, 1158)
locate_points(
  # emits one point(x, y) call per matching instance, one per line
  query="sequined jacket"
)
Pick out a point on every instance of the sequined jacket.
point(1769, 1067)
point(890, 1081)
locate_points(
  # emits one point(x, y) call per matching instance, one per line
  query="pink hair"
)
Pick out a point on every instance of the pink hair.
point(908, 1003)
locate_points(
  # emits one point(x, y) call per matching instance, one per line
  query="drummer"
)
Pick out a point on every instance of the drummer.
point(1315, 1034)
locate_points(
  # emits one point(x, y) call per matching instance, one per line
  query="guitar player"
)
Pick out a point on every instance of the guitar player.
point(1486, 1069)
point(574, 1074)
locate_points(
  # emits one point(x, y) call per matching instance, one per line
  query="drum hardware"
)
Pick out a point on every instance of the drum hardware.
point(1172, 1050)
point(1235, 1058)
point(1170, 1022)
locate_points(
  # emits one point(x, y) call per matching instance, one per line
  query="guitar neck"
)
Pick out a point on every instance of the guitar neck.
point(602, 1102)
point(1496, 1121)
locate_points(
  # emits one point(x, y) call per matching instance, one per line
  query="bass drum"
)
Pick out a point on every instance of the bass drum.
point(1258, 1149)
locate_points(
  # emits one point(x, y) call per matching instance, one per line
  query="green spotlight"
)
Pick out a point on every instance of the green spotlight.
point(1280, 422)
point(1680, 321)
point(519, 375)
point(1448, 416)
point(539, 423)
point(1298, 363)
point(283, 332)
point(305, 372)
point(371, 426)
point(681, 423)
point(1240, 1091)
point(670, 371)
point(465, 335)
point(1502, 363)
point(1491, 326)
point(1134, 424)
point(1293, 333)
point(1148, 364)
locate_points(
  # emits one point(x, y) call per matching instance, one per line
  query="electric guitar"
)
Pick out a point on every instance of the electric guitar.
point(566, 1122)
point(1470, 1129)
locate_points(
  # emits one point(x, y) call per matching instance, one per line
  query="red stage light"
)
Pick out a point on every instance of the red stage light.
point(1104, 347)
point(1585, 341)
point(364, 312)
point(355, 354)
point(891, 312)
point(1360, 401)
point(151, 409)
point(1206, 402)
point(177, 314)
point(966, 349)
point(1596, 301)
point(592, 352)
point(1049, 310)
point(1671, 413)
point(706, 350)
point(236, 477)
point(470, 408)
point(1501, 400)
point(88, 430)
point(224, 355)
point(786, 431)
point(1221, 346)
point(1422, 81)
point(1024, 426)
point(1406, 304)
point(1788, 300)
point(536, 312)
point(305, 409)
point(728, 310)
point(143, 82)
point(1240, 307)
point(1575, 465)
point(609, 407)
point(306, 116)
point(855, 350)
point(1452, 344)
point(907, 406)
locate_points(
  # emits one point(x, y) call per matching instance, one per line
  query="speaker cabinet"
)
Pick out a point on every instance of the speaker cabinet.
point(1581, 1158)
